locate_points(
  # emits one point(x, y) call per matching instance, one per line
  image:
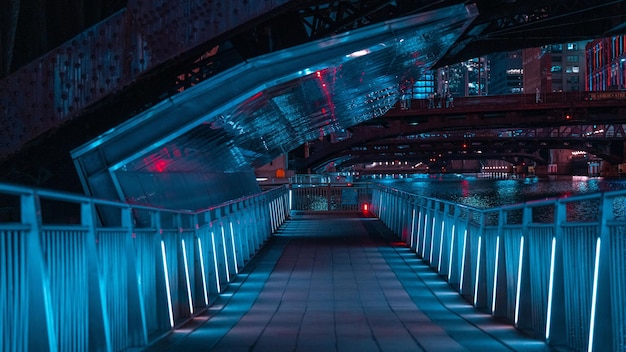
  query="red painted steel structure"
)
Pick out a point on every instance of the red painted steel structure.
point(109, 56)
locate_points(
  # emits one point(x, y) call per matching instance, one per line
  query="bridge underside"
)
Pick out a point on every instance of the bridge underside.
point(205, 141)
point(95, 82)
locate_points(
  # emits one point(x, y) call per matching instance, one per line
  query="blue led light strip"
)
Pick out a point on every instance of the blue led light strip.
point(167, 284)
point(519, 279)
point(594, 297)
point(217, 273)
point(451, 253)
point(232, 235)
point(480, 244)
point(463, 262)
point(495, 277)
point(182, 243)
point(550, 289)
point(206, 294)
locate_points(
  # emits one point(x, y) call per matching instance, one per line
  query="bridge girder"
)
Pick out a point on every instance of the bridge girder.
point(486, 144)
point(497, 23)
point(564, 116)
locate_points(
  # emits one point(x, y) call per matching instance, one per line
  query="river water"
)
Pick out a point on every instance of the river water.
point(488, 192)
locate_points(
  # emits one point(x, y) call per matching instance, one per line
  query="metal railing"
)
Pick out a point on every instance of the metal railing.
point(555, 267)
point(70, 283)
point(328, 193)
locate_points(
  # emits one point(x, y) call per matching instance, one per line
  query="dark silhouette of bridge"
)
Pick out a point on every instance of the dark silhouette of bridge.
point(95, 81)
point(484, 127)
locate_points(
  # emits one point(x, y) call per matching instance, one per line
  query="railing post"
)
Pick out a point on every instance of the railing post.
point(465, 274)
point(228, 242)
point(406, 218)
point(165, 302)
point(601, 325)
point(99, 323)
point(453, 270)
point(556, 325)
point(328, 196)
point(419, 237)
point(428, 221)
point(137, 326)
point(500, 287)
point(42, 332)
point(442, 239)
point(480, 270)
point(523, 305)
point(413, 228)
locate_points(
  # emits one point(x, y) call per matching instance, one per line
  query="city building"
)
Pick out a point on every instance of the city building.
point(506, 73)
point(555, 68)
point(606, 61)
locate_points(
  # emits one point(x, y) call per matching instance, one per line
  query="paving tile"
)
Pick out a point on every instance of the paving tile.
point(333, 283)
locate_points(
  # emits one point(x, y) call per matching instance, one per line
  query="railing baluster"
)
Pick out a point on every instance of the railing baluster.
point(563, 279)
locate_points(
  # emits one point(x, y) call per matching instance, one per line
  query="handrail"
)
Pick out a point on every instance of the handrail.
point(534, 264)
point(81, 285)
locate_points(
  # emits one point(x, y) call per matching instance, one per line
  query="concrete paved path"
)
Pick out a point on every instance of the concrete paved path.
point(339, 283)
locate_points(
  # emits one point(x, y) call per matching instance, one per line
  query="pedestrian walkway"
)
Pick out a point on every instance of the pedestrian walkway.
point(331, 282)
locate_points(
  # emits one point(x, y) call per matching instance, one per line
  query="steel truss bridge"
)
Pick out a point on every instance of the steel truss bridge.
point(95, 81)
point(514, 146)
point(501, 127)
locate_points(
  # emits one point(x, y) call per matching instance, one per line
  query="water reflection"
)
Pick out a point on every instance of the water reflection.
point(487, 193)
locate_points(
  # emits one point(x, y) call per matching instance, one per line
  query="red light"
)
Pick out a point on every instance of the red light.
point(160, 165)
point(365, 207)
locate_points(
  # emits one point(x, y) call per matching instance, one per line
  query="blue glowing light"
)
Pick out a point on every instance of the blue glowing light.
point(443, 224)
point(550, 288)
point(432, 240)
point(204, 290)
point(419, 229)
point(412, 228)
point(451, 252)
point(424, 237)
point(225, 254)
point(519, 279)
point(217, 273)
point(594, 297)
point(480, 243)
point(463, 261)
point(187, 276)
point(232, 236)
point(495, 276)
point(167, 285)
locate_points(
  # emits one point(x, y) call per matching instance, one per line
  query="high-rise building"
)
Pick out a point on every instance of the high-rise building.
point(606, 61)
point(424, 86)
point(506, 73)
point(466, 78)
point(555, 68)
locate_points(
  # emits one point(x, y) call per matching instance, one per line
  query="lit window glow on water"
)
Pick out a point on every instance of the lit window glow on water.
point(488, 193)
